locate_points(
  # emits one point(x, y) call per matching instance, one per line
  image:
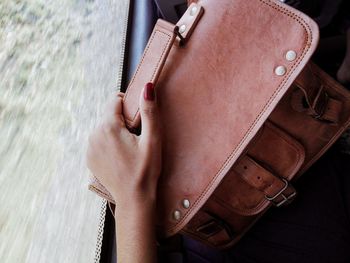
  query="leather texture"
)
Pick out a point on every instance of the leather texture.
point(149, 68)
point(235, 133)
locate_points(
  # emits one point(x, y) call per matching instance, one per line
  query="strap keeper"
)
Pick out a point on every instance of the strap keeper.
point(215, 230)
point(320, 104)
point(189, 21)
point(214, 226)
point(182, 39)
point(286, 198)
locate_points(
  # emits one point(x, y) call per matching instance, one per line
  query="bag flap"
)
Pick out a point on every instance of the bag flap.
point(216, 92)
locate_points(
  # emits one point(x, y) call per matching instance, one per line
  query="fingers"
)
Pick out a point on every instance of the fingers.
point(116, 105)
point(120, 94)
point(114, 111)
point(149, 115)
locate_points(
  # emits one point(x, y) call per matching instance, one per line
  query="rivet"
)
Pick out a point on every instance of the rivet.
point(182, 28)
point(280, 70)
point(291, 55)
point(193, 11)
point(177, 214)
point(186, 203)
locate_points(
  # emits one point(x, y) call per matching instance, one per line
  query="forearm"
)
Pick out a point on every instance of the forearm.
point(129, 167)
point(135, 231)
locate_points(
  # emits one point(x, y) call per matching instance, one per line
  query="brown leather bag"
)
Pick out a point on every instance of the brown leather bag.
point(243, 113)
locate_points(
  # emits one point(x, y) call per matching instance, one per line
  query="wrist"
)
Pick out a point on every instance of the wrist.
point(135, 207)
point(137, 220)
point(135, 230)
point(135, 199)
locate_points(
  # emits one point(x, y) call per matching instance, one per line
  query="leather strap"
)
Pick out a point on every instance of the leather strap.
point(319, 105)
point(314, 94)
point(213, 229)
point(154, 57)
point(277, 190)
point(332, 111)
point(189, 20)
point(191, 1)
point(148, 70)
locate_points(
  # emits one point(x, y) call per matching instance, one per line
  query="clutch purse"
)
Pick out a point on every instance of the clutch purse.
point(244, 113)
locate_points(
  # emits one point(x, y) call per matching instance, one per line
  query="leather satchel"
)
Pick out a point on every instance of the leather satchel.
point(244, 113)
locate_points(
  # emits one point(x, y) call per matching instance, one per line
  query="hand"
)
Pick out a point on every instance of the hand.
point(128, 166)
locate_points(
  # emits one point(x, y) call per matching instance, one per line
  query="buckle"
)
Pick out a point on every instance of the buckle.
point(286, 199)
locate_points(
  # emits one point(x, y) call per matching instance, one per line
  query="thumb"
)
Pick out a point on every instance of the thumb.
point(149, 114)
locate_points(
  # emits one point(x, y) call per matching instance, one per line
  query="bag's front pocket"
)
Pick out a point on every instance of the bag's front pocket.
point(261, 176)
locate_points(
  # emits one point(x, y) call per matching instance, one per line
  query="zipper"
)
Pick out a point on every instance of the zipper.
point(101, 227)
point(101, 224)
point(122, 50)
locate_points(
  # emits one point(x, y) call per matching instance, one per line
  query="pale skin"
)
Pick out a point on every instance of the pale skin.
point(129, 167)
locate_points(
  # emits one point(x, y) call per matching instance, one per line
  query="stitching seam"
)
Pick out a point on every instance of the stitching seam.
point(165, 47)
point(285, 79)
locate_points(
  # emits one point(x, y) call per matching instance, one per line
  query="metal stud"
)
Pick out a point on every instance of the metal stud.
point(193, 11)
point(177, 215)
point(186, 203)
point(182, 28)
point(291, 55)
point(280, 70)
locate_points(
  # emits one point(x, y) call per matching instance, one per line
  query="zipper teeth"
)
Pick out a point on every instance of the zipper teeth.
point(101, 224)
point(122, 50)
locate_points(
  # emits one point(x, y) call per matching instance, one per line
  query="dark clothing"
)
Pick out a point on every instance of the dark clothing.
point(314, 228)
point(330, 15)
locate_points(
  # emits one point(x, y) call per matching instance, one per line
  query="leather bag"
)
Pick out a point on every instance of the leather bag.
point(243, 111)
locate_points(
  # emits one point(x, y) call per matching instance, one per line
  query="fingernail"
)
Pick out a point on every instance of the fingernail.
point(149, 92)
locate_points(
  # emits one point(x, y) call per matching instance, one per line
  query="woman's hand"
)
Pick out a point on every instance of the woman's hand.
point(129, 166)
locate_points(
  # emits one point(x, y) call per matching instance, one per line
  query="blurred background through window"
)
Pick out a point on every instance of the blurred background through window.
point(59, 62)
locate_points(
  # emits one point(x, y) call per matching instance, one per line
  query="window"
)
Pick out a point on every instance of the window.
point(58, 65)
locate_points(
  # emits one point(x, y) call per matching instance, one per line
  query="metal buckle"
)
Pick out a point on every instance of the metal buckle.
point(286, 199)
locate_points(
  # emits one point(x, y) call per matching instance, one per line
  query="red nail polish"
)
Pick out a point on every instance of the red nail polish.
point(149, 92)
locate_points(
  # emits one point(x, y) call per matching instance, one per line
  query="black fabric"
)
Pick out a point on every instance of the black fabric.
point(314, 228)
point(143, 14)
point(326, 13)
point(333, 19)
